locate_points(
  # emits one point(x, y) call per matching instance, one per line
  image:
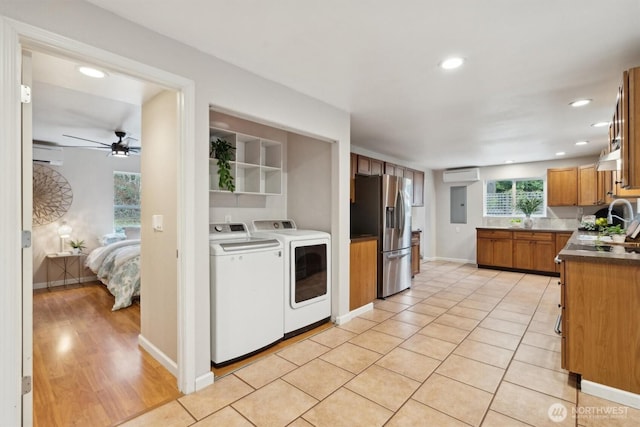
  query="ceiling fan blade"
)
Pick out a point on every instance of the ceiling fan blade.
point(89, 140)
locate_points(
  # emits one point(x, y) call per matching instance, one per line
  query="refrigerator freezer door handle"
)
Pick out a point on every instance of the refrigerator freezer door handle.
point(396, 256)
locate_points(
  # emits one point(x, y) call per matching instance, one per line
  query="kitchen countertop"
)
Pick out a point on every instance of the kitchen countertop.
point(552, 230)
point(362, 238)
point(595, 250)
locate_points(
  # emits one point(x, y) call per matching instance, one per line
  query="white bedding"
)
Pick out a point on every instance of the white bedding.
point(117, 265)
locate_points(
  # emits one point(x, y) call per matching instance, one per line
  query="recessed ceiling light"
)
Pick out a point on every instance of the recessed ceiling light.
point(451, 63)
point(92, 72)
point(508, 161)
point(600, 124)
point(580, 102)
point(582, 142)
point(560, 153)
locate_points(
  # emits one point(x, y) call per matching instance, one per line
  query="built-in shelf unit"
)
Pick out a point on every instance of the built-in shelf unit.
point(256, 166)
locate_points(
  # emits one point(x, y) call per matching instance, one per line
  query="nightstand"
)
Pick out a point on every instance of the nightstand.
point(65, 266)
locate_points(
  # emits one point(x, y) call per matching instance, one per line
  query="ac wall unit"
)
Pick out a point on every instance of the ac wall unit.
point(461, 175)
point(49, 155)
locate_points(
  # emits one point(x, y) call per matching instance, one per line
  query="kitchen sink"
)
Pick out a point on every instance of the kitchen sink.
point(603, 248)
point(592, 237)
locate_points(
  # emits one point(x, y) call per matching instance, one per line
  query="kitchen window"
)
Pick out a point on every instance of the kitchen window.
point(126, 200)
point(500, 196)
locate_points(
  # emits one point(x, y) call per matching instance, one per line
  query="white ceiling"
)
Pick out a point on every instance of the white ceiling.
point(378, 59)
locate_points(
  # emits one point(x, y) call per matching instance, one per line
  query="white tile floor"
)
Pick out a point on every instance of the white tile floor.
point(463, 346)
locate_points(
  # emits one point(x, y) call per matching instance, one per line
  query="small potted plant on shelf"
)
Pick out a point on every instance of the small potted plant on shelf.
point(528, 205)
point(77, 246)
point(222, 151)
point(617, 233)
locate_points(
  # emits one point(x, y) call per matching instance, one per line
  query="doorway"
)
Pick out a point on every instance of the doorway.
point(74, 115)
point(16, 36)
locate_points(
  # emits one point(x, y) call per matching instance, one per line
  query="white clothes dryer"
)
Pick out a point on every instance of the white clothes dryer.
point(307, 273)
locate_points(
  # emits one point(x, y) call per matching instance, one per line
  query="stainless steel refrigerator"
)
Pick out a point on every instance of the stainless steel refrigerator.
point(382, 208)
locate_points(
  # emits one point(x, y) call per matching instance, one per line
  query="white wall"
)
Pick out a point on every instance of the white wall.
point(228, 88)
point(158, 261)
point(90, 175)
point(458, 241)
point(309, 182)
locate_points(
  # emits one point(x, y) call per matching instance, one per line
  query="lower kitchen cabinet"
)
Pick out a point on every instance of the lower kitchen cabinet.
point(600, 318)
point(363, 272)
point(415, 252)
point(561, 241)
point(534, 251)
point(494, 248)
point(521, 250)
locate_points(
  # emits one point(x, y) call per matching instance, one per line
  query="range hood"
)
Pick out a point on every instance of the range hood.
point(609, 162)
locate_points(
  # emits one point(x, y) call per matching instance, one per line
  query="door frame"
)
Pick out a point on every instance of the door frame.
point(15, 33)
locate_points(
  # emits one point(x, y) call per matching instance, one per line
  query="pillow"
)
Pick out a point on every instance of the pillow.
point(132, 232)
point(110, 238)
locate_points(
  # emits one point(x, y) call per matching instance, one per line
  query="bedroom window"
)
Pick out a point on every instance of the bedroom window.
point(126, 200)
point(500, 196)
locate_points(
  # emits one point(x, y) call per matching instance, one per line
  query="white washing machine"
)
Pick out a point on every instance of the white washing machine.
point(247, 299)
point(307, 273)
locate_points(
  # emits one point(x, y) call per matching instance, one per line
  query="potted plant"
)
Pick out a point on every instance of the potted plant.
point(617, 233)
point(528, 205)
point(222, 151)
point(77, 245)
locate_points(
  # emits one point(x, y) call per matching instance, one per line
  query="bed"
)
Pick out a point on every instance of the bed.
point(117, 265)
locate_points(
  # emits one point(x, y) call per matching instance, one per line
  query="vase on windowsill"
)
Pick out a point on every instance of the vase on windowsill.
point(528, 222)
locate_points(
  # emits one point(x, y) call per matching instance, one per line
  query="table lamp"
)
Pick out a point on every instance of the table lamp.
point(64, 231)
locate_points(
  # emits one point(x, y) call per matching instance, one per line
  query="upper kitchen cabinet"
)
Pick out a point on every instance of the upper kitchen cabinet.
point(391, 169)
point(256, 166)
point(418, 188)
point(562, 186)
point(591, 186)
point(625, 129)
point(368, 166)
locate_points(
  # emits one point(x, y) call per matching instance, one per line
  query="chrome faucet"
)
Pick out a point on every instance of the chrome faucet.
point(626, 203)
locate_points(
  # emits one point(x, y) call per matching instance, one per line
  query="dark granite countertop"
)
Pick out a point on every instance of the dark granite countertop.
point(542, 229)
point(362, 237)
point(588, 246)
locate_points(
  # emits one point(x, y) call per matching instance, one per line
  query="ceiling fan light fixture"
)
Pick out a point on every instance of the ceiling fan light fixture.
point(92, 72)
point(118, 150)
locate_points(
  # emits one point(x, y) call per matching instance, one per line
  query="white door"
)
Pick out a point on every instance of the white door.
point(27, 253)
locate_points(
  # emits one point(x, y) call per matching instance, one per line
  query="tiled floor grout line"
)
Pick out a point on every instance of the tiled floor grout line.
point(404, 340)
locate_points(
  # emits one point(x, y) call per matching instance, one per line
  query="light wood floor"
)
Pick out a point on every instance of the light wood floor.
point(88, 367)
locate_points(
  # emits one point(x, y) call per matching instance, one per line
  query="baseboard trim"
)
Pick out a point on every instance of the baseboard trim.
point(458, 260)
point(204, 380)
point(83, 279)
point(609, 393)
point(340, 320)
point(157, 354)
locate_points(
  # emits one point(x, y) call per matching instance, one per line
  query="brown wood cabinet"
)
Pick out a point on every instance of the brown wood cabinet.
point(364, 165)
point(562, 186)
point(369, 166)
point(600, 318)
point(363, 272)
point(415, 252)
point(526, 250)
point(494, 248)
point(534, 251)
point(561, 241)
point(391, 169)
point(625, 129)
point(591, 189)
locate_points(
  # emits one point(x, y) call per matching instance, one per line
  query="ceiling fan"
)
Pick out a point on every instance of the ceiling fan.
point(119, 148)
